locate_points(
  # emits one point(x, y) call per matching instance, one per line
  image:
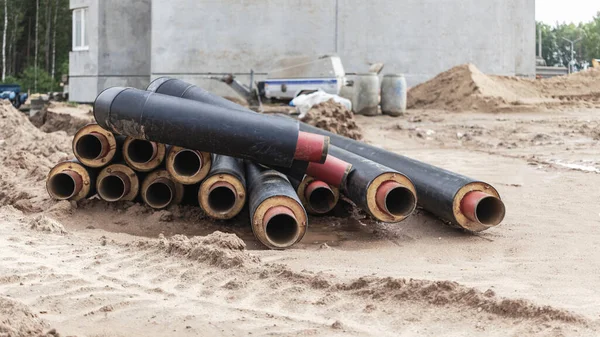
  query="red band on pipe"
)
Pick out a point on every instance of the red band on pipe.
point(382, 193)
point(333, 171)
point(275, 211)
point(313, 186)
point(222, 184)
point(311, 147)
point(468, 204)
point(77, 181)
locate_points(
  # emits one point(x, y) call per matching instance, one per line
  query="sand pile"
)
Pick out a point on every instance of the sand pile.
point(216, 249)
point(16, 320)
point(466, 88)
point(335, 118)
point(59, 116)
point(26, 157)
point(226, 252)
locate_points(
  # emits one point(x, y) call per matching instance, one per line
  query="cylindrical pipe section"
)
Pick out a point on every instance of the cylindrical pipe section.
point(483, 208)
point(94, 146)
point(159, 190)
point(440, 191)
point(70, 180)
point(182, 89)
point(187, 166)
point(333, 171)
point(386, 194)
point(317, 196)
point(223, 194)
point(195, 125)
point(276, 214)
point(143, 155)
point(117, 182)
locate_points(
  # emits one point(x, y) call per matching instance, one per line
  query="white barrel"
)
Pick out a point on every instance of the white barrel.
point(366, 94)
point(393, 95)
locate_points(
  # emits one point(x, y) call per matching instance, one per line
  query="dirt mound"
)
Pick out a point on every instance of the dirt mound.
point(26, 157)
point(227, 251)
point(63, 117)
point(466, 88)
point(335, 118)
point(217, 249)
point(43, 223)
point(16, 320)
point(442, 293)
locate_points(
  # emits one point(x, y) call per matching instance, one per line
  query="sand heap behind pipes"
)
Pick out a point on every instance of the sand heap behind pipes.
point(335, 118)
point(466, 88)
point(67, 117)
point(26, 156)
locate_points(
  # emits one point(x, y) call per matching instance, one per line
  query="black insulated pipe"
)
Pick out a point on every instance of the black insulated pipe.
point(222, 195)
point(204, 127)
point(440, 192)
point(179, 88)
point(332, 171)
point(386, 194)
point(277, 217)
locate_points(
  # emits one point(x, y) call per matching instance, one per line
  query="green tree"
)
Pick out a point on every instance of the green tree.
point(557, 51)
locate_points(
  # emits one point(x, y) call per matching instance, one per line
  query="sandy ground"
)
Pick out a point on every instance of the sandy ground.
point(95, 269)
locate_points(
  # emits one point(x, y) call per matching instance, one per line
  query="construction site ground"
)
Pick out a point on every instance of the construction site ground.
point(95, 269)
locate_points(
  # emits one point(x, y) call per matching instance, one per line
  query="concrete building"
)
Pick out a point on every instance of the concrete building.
point(191, 39)
point(111, 46)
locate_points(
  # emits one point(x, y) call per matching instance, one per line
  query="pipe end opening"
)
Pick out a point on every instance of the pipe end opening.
point(490, 211)
point(89, 147)
point(221, 199)
point(159, 195)
point(400, 201)
point(141, 151)
point(111, 188)
point(322, 199)
point(282, 229)
point(62, 186)
point(187, 163)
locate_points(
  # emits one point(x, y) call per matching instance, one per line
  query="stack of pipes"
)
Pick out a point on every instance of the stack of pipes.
point(175, 138)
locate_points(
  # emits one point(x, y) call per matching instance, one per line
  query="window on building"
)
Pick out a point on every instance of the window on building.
point(80, 40)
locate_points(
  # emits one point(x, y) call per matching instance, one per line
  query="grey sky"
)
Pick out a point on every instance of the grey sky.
point(575, 11)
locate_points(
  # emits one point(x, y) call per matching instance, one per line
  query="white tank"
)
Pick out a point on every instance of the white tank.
point(393, 95)
point(366, 94)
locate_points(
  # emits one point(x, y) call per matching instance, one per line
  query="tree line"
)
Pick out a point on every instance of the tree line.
point(556, 51)
point(36, 40)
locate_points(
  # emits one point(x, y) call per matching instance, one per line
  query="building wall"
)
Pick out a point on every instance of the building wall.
point(119, 48)
point(420, 38)
point(83, 64)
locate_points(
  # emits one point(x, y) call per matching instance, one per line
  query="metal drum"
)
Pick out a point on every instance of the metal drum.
point(366, 94)
point(393, 95)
